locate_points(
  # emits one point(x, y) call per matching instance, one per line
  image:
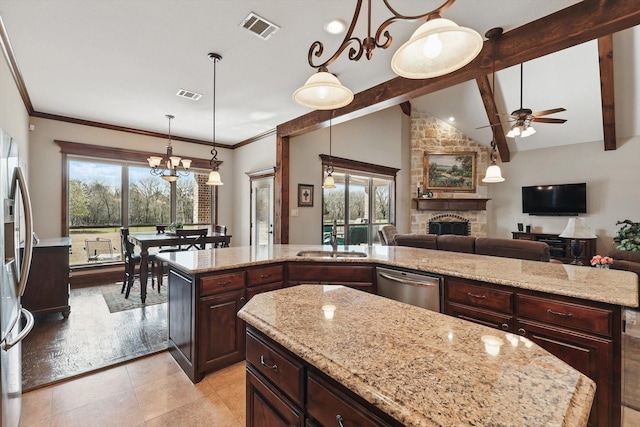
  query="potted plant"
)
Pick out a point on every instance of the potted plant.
point(175, 225)
point(628, 237)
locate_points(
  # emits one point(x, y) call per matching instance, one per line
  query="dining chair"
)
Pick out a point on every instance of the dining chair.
point(131, 260)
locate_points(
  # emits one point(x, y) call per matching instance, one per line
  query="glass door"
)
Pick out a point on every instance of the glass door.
point(262, 211)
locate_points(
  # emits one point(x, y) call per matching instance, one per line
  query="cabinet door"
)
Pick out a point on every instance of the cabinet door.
point(221, 332)
point(266, 407)
point(591, 355)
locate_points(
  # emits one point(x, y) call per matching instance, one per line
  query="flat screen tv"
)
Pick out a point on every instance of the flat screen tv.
point(555, 200)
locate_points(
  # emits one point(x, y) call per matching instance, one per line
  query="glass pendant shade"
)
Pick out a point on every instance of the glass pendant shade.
point(214, 178)
point(527, 132)
point(493, 174)
point(437, 47)
point(170, 178)
point(323, 91)
point(329, 182)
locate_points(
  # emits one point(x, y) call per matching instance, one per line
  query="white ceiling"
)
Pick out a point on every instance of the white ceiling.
point(121, 62)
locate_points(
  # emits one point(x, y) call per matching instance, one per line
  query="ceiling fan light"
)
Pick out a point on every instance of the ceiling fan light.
point(437, 47)
point(323, 91)
point(515, 131)
point(329, 182)
point(493, 174)
point(214, 178)
point(527, 132)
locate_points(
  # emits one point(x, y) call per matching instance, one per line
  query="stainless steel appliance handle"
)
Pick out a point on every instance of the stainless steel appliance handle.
point(409, 282)
point(24, 332)
point(18, 178)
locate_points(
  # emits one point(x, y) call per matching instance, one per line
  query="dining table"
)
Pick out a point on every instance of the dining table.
point(155, 240)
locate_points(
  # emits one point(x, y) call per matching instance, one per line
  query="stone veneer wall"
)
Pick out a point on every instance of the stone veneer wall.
point(430, 135)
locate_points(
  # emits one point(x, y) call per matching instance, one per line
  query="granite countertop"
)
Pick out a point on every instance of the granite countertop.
point(609, 286)
point(421, 367)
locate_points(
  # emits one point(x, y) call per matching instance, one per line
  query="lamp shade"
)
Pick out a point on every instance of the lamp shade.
point(329, 182)
point(577, 229)
point(437, 47)
point(527, 132)
point(493, 174)
point(323, 91)
point(214, 178)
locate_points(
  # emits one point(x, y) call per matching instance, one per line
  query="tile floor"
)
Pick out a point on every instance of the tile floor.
point(153, 391)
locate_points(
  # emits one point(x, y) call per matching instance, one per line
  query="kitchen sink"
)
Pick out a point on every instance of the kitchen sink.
point(331, 254)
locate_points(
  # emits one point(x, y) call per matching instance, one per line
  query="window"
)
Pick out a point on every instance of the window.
point(102, 195)
point(361, 203)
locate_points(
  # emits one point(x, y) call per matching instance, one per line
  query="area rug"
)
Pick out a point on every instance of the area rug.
point(117, 302)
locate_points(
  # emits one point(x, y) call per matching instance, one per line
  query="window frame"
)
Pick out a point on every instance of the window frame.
point(371, 171)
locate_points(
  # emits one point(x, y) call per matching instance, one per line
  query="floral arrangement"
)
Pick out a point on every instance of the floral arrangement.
point(628, 237)
point(601, 261)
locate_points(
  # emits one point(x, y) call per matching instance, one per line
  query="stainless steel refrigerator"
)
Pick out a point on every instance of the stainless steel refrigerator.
point(17, 235)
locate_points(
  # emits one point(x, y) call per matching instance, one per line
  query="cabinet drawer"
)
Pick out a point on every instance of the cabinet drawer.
point(574, 316)
point(263, 275)
point(465, 292)
point(210, 285)
point(331, 408)
point(483, 317)
point(330, 273)
point(277, 367)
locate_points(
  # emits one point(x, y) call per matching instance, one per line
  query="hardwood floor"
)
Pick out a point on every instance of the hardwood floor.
point(90, 339)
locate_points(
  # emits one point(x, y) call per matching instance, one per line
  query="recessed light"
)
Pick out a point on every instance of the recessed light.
point(336, 26)
point(452, 119)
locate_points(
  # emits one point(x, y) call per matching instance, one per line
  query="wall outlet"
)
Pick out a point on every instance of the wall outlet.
point(294, 212)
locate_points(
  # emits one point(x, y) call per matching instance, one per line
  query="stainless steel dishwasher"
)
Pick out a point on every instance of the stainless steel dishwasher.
point(419, 289)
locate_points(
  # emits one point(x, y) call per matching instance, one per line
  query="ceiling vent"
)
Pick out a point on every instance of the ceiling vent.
point(259, 26)
point(189, 94)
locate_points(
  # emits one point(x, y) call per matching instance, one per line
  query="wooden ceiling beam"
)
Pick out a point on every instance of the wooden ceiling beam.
point(486, 93)
point(605, 53)
point(584, 21)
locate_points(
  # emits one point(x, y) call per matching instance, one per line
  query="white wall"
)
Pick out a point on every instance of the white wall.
point(46, 166)
point(14, 118)
point(255, 156)
point(377, 138)
point(613, 187)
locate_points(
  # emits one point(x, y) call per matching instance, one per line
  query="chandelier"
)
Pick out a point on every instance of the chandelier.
point(214, 175)
point(172, 172)
point(437, 47)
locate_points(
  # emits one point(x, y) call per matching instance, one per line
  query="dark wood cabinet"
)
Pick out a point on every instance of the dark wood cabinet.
point(283, 390)
point(358, 276)
point(264, 279)
point(560, 247)
point(47, 289)
point(584, 334)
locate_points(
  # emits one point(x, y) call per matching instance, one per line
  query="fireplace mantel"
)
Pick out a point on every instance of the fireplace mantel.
point(451, 204)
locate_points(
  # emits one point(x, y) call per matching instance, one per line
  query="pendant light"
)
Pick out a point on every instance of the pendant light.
point(329, 182)
point(493, 173)
point(214, 175)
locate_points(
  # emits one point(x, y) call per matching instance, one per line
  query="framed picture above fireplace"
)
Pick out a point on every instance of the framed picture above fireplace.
point(450, 171)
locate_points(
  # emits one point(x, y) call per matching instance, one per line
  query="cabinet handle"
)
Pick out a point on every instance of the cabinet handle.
point(557, 313)
point(263, 363)
point(522, 332)
point(339, 420)
point(505, 327)
point(476, 295)
point(228, 282)
point(264, 276)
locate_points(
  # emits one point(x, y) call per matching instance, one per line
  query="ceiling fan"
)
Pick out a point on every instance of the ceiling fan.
point(523, 117)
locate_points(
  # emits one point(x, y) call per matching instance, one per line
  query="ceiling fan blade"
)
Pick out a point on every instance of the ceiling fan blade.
point(548, 120)
point(546, 112)
point(496, 124)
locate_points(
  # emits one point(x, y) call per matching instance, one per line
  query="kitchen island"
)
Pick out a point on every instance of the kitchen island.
point(415, 366)
point(572, 312)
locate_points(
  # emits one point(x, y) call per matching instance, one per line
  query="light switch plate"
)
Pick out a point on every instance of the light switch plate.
point(294, 212)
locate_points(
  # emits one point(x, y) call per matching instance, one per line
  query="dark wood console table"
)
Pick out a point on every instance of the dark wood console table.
point(47, 289)
point(559, 246)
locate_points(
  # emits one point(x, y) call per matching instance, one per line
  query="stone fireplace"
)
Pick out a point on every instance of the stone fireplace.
point(430, 135)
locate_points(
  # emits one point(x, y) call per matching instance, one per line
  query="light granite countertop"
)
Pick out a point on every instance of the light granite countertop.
point(609, 286)
point(421, 367)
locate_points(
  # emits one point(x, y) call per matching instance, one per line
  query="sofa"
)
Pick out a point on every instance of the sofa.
point(508, 248)
point(625, 260)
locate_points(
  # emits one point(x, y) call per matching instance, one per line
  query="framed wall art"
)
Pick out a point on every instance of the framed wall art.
point(450, 171)
point(305, 195)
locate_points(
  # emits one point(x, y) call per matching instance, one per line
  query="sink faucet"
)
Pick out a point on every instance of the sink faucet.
point(334, 235)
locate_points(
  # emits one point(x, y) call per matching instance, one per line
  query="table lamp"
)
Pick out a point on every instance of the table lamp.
point(576, 229)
